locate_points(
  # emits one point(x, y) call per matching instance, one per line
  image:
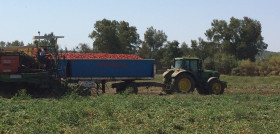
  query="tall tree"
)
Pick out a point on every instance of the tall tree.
point(154, 38)
point(144, 51)
point(172, 51)
point(114, 37)
point(241, 38)
point(185, 49)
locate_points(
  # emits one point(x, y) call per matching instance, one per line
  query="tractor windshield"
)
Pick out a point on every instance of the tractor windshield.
point(178, 64)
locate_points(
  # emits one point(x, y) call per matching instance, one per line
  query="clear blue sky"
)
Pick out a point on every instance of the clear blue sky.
point(181, 20)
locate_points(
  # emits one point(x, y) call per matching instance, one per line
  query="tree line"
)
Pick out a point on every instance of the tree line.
point(226, 44)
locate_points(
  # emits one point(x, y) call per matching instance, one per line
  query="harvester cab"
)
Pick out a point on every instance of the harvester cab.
point(189, 74)
point(47, 55)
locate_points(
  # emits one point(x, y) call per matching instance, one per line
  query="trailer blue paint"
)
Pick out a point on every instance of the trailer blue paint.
point(96, 68)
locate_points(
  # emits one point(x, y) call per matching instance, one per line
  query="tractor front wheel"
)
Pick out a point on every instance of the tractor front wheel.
point(215, 86)
point(183, 83)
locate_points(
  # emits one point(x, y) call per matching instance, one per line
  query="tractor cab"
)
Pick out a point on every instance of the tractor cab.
point(191, 64)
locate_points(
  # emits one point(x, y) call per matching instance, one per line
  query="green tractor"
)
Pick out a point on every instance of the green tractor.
point(188, 74)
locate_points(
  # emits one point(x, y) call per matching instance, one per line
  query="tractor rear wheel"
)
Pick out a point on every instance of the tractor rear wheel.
point(215, 86)
point(183, 83)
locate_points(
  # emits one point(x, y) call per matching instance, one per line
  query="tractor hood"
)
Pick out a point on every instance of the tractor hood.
point(211, 73)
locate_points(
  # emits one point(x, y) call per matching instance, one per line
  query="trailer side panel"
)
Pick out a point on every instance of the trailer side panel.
point(109, 69)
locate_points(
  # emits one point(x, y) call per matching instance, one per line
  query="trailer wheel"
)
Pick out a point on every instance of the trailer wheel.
point(183, 83)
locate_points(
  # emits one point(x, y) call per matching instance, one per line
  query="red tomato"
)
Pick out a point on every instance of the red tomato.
point(97, 56)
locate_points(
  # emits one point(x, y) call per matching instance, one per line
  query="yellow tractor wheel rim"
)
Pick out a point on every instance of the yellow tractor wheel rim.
point(184, 85)
point(216, 88)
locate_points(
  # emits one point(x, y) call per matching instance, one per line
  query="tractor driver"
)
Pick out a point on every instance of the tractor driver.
point(44, 59)
point(43, 52)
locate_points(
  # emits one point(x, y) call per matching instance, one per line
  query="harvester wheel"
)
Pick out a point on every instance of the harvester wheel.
point(167, 86)
point(183, 83)
point(215, 86)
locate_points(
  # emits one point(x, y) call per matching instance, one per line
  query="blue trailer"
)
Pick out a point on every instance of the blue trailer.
point(111, 69)
point(103, 70)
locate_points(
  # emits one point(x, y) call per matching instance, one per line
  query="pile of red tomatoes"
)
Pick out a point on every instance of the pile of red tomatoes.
point(97, 56)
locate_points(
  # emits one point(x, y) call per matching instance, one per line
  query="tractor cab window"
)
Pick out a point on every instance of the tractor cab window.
point(178, 64)
point(186, 64)
point(193, 65)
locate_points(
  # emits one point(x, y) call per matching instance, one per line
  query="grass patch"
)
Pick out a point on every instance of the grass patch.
point(249, 105)
point(142, 114)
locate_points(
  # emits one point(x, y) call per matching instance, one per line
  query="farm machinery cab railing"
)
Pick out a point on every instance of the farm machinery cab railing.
point(47, 54)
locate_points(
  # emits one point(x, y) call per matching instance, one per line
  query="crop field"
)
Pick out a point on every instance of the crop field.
point(249, 105)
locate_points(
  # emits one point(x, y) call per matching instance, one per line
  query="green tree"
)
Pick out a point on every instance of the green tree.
point(241, 38)
point(144, 51)
point(155, 39)
point(83, 48)
point(172, 51)
point(194, 48)
point(114, 37)
point(2, 44)
point(14, 43)
point(128, 37)
point(185, 49)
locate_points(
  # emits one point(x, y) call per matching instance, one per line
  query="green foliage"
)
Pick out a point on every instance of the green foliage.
point(11, 44)
point(152, 46)
point(144, 51)
point(221, 62)
point(114, 37)
point(246, 68)
point(82, 48)
point(249, 105)
point(142, 114)
point(225, 63)
point(171, 51)
point(155, 39)
point(264, 67)
point(252, 84)
point(21, 95)
point(274, 64)
point(185, 49)
point(241, 38)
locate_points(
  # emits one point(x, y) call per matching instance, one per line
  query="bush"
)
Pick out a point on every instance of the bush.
point(221, 62)
point(263, 68)
point(225, 63)
point(246, 68)
point(274, 64)
point(209, 63)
